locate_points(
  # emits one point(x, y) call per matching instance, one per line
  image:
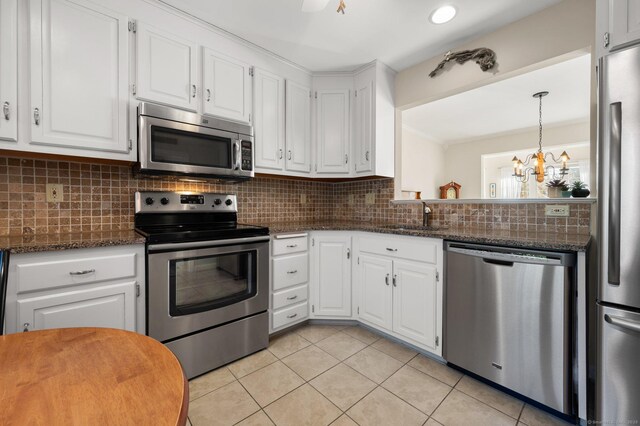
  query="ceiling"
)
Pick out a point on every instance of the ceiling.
point(508, 106)
point(396, 32)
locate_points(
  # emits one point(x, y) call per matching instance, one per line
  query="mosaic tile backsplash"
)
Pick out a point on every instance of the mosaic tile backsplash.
point(100, 197)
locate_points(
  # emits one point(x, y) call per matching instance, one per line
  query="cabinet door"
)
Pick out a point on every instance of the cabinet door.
point(332, 276)
point(112, 306)
point(269, 120)
point(166, 68)
point(363, 131)
point(415, 306)
point(624, 26)
point(9, 69)
point(374, 279)
point(298, 107)
point(227, 86)
point(332, 131)
point(79, 75)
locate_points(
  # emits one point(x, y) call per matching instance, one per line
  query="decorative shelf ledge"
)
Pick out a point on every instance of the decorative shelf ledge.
point(588, 200)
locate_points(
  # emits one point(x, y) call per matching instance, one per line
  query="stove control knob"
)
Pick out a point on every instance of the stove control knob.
point(228, 202)
point(217, 201)
point(148, 201)
point(164, 201)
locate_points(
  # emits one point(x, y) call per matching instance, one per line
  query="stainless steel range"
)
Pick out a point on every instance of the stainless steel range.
point(207, 278)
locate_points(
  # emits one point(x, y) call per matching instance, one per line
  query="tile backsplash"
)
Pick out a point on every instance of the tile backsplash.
point(100, 197)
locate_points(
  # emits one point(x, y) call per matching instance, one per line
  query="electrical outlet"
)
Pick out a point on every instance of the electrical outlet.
point(303, 198)
point(55, 193)
point(370, 198)
point(352, 199)
point(556, 210)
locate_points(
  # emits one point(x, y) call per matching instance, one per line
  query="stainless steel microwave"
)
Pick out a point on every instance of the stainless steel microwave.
point(181, 143)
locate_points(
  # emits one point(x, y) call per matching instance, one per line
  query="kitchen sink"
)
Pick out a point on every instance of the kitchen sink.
point(399, 227)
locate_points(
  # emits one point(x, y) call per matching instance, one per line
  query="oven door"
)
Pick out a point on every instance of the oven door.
point(195, 286)
point(172, 147)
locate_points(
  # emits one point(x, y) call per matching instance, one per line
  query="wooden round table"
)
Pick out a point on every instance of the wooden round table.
point(90, 376)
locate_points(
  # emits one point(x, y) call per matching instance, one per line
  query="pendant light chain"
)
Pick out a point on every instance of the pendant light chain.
point(540, 122)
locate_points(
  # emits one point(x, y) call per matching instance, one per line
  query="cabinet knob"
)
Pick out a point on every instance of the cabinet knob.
point(6, 110)
point(26, 327)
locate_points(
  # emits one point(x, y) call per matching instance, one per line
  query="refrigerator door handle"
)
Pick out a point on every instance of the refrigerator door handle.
point(623, 322)
point(615, 161)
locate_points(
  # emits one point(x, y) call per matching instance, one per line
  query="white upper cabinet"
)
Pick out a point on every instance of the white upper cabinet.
point(79, 76)
point(298, 126)
point(268, 120)
point(9, 70)
point(624, 21)
point(364, 131)
point(331, 277)
point(332, 131)
point(415, 301)
point(166, 70)
point(227, 86)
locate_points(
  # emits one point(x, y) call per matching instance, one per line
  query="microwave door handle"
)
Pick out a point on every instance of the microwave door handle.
point(236, 150)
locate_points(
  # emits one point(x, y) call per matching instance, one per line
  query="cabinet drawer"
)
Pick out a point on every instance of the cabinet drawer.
point(290, 315)
point(289, 245)
point(421, 250)
point(290, 270)
point(290, 296)
point(72, 269)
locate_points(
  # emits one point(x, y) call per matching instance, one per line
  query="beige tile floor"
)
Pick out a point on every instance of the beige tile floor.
point(345, 376)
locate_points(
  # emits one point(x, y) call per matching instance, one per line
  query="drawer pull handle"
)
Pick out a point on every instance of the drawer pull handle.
point(292, 245)
point(295, 271)
point(386, 279)
point(391, 249)
point(26, 327)
point(292, 316)
point(292, 297)
point(85, 272)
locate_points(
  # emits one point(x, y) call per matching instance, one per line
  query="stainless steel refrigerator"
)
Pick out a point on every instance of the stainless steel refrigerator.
point(618, 305)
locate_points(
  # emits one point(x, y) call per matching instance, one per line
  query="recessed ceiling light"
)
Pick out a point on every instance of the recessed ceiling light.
point(443, 14)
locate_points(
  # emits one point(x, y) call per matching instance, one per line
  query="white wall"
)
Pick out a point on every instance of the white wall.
point(424, 165)
point(549, 36)
point(463, 161)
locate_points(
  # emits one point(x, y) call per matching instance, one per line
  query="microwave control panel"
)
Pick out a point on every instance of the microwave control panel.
point(247, 155)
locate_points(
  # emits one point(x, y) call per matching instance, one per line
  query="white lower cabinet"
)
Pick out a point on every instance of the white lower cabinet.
point(96, 287)
point(400, 296)
point(375, 303)
point(331, 275)
point(289, 280)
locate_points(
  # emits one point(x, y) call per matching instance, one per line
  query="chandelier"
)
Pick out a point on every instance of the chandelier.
point(539, 160)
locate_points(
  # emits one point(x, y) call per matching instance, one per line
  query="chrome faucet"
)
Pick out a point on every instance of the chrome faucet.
point(425, 214)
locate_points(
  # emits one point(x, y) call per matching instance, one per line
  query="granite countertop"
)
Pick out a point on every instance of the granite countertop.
point(514, 238)
point(31, 243)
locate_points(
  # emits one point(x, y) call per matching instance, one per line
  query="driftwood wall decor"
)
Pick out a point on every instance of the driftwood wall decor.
point(484, 57)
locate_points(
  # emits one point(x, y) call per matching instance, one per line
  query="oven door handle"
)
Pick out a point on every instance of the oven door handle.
point(199, 244)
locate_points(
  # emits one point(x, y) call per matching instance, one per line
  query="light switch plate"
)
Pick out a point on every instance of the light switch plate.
point(55, 193)
point(556, 210)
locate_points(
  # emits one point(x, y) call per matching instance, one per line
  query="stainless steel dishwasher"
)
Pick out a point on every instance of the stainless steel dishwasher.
point(509, 319)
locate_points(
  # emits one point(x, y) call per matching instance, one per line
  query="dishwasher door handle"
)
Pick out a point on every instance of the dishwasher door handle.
point(506, 257)
point(498, 262)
